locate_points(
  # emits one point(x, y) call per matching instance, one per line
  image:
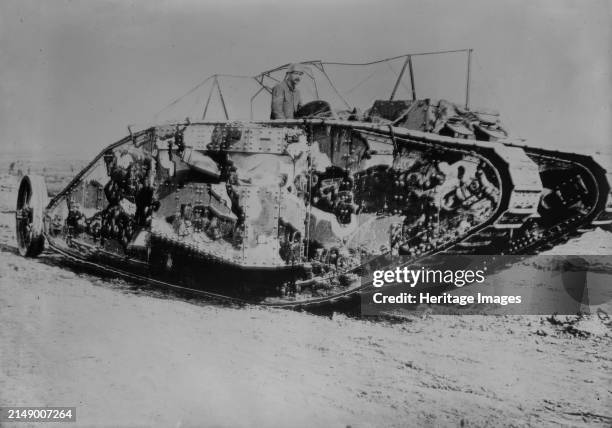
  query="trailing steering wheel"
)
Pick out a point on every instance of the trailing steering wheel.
point(31, 202)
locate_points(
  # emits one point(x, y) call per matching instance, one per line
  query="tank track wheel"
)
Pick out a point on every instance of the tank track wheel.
point(32, 200)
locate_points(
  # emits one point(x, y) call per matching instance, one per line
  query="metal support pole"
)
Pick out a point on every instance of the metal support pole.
point(212, 88)
point(261, 83)
point(348, 106)
point(222, 100)
point(314, 81)
point(253, 99)
point(399, 78)
point(411, 78)
point(467, 86)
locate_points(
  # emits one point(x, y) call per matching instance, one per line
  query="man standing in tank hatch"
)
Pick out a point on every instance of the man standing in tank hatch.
point(286, 99)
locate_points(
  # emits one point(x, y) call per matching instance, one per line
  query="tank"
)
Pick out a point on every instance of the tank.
point(287, 213)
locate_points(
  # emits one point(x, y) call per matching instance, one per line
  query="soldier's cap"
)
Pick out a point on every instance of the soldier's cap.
point(296, 68)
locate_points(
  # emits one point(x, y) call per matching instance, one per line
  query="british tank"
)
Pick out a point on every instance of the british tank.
point(288, 212)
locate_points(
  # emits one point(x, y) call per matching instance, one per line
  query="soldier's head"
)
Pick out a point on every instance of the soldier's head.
point(295, 73)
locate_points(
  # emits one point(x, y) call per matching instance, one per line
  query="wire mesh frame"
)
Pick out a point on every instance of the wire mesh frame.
point(320, 66)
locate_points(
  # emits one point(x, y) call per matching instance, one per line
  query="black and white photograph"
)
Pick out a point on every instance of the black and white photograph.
point(266, 213)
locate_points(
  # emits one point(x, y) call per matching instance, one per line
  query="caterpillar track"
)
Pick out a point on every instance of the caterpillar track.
point(576, 198)
point(575, 194)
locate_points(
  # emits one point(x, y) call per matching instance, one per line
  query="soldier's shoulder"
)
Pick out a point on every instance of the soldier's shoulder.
point(280, 86)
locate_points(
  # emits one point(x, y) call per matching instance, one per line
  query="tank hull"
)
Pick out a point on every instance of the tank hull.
point(287, 213)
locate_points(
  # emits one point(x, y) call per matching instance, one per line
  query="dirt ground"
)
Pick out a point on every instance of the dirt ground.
point(126, 355)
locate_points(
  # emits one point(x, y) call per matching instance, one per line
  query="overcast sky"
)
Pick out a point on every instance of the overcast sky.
point(74, 74)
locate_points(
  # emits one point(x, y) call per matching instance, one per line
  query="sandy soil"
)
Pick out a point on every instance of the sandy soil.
point(125, 355)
